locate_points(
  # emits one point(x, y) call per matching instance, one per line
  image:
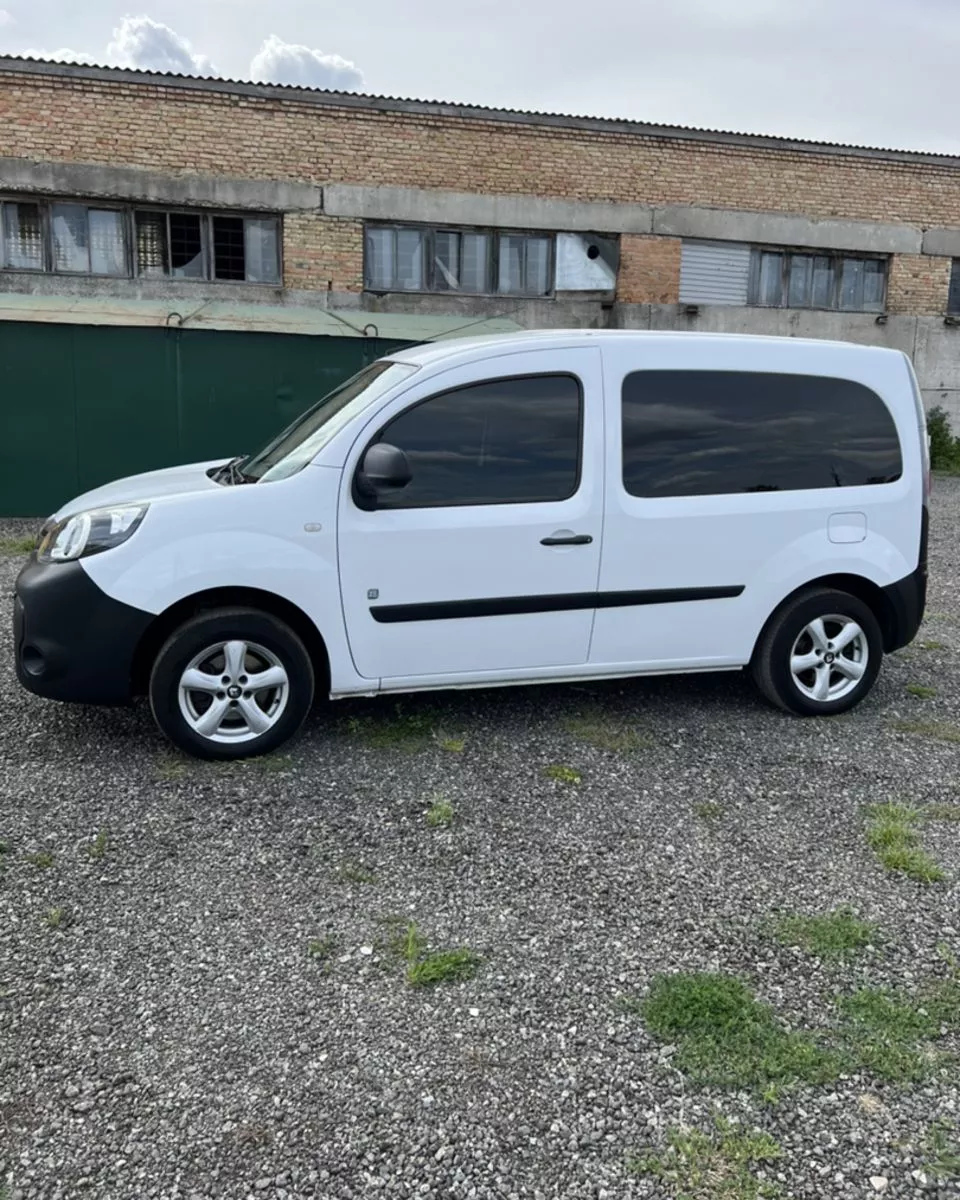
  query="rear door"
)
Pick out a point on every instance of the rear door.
point(486, 564)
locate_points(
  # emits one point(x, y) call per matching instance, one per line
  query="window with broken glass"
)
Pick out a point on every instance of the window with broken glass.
point(784, 279)
point(71, 238)
point(412, 258)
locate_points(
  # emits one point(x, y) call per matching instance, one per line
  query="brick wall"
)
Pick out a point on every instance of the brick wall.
point(194, 130)
point(918, 285)
point(649, 270)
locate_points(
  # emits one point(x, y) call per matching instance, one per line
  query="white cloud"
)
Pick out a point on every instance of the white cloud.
point(281, 62)
point(6, 18)
point(146, 45)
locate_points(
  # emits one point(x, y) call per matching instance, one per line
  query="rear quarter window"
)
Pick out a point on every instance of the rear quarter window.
point(707, 433)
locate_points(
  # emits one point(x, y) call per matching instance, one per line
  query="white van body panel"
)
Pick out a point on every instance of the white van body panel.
point(305, 540)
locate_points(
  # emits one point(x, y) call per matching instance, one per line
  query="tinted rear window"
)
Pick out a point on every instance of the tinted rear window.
point(707, 433)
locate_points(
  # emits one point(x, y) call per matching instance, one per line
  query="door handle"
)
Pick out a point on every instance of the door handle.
point(573, 539)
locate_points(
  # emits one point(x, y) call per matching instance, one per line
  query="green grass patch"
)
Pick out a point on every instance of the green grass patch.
point(20, 545)
point(606, 733)
point(941, 1152)
point(353, 871)
point(322, 949)
point(273, 764)
point(440, 814)
point(921, 692)
point(404, 731)
point(170, 767)
point(936, 731)
point(828, 935)
point(452, 745)
point(725, 1036)
point(426, 968)
point(562, 774)
point(941, 812)
point(57, 918)
point(44, 859)
point(893, 1034)
point(930, 644)
point(719, 1165)
point(97, 849)
point(892, 834)
point(709, 810)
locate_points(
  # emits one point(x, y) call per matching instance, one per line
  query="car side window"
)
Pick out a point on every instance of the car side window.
point(709, 433)
point(504, 441)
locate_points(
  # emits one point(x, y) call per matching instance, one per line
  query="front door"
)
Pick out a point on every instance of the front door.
point(487, 561)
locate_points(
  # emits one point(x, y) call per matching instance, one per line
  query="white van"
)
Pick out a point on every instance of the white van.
point(543, 506)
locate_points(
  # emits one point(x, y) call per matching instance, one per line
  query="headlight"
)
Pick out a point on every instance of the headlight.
point(89, 532)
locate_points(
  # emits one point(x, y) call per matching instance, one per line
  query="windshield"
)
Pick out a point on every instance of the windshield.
point(300, 442)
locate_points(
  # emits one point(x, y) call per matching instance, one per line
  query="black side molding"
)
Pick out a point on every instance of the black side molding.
point(508, 606)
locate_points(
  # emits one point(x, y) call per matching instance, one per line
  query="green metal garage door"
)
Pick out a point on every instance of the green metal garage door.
point(81, 405)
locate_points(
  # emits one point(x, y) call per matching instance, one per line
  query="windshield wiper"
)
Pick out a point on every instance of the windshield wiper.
point(231, 474)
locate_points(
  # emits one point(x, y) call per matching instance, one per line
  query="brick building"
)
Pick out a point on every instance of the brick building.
point(182, 195)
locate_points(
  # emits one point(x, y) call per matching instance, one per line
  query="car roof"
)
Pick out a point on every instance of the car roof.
point(449, 349)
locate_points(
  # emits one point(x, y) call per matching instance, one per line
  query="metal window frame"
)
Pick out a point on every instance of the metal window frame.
point(46, 247)
point(837, 259)
point(493, 260)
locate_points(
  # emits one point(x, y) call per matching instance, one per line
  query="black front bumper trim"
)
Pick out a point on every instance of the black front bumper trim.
point(71, 640)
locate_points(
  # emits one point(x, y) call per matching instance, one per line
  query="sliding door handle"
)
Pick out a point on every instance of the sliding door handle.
point(570, 539)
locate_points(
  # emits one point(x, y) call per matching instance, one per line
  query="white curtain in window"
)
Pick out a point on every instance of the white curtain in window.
point(380, 244)
point(409, 260)
point(71, 245)
point(446, 261)
point(511, 264)
point(108, 249)
point(22, 237)
point(261, 250)
point(475, 265)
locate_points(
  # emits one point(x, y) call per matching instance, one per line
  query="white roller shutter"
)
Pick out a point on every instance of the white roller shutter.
point(714, 273)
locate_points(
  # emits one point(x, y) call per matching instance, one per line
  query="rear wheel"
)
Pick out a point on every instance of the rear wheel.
point(231, 683)
point(820, 654)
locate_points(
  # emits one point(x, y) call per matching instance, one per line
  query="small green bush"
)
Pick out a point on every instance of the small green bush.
point(944, 447)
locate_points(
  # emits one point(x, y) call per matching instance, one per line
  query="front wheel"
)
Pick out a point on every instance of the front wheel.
point(231, 683)
point(820, 654)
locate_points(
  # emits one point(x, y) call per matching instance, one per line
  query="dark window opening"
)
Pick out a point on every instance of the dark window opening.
point(953, 302)
point(707, 433)
point(186, 246)
point(229, 257)
point(507, 441)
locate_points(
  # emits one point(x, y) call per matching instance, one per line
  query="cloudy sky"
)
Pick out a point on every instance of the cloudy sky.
point(878, 72)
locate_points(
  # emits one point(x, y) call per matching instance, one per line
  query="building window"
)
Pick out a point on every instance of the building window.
point(408, 258)
point(184, 245)
point(953, 301)
point(784, 279)
point(71, 238)
point(714, 433)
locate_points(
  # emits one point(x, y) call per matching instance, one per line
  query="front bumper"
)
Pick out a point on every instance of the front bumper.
point(71, 640)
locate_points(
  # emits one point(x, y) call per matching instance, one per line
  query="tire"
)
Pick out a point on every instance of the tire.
point(224, 652)
point(791, 637)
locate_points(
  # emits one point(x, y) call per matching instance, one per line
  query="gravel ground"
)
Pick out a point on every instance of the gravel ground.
point(165, 1030)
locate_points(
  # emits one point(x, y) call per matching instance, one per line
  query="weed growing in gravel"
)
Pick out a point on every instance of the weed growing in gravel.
point(170, 767)
point(891, 832)
point(425, 969)
point(97, 849)
point(726, 1036)
point(830, 935)
point(712, 1166)
point(44, 859)
point(710, 810)
point(452, 745)
point(20, 545)
point(273, 764)
point(941, 812)
point(937, 731)
point(942, 1152)
point(931, 645)
point(4, 848)
point(57, 918)
point(440, 814)
point(921, 692)
point(606, 733)
point(562, 774)
point(892, 1034)
point(351, 871)
point(407, 732)
point(323, 949)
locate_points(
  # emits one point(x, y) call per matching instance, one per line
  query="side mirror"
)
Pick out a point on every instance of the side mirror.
point(383, 468)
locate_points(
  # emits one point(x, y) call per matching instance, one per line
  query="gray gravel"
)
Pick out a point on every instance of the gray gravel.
point(173, 1037)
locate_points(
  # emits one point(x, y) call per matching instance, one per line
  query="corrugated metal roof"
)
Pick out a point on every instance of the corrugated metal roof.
point(251, 318)
point(451, 108)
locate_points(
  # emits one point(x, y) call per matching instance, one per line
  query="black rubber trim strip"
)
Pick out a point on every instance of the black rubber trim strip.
point(508, 606)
